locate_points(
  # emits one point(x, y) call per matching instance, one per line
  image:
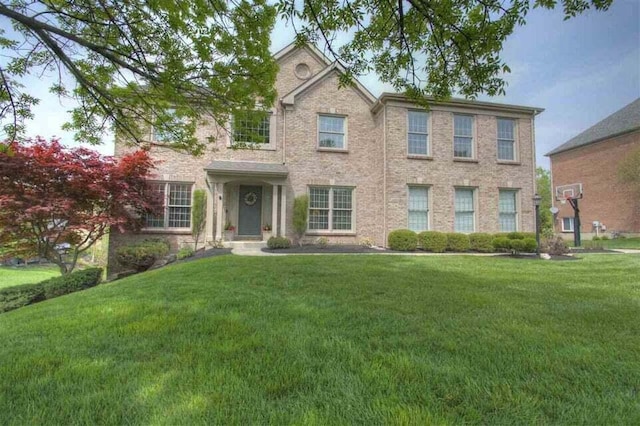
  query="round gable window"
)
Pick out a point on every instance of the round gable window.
point(303, 71)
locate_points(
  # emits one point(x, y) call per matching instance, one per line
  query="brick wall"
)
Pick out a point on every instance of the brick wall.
point(605, 198)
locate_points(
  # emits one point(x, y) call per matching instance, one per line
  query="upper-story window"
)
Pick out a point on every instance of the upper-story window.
point(332, 132)
point(176, 206)
point(251, 127)
point(417, 132)
point(506, 139)
point(167, 119)
point(463, 136)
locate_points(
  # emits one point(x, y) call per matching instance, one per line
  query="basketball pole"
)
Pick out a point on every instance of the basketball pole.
point(576, 221)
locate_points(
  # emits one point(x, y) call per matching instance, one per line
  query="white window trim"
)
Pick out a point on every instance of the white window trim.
point(572, 224)
point(516, 151)
point(474, 154)
point(152, 136)
point(165, 206)
point(331, 231)
point(429, 127)
point(475, 208)
point(517, 201)
point(271, 146)
point(345, 148)
point(429, 204)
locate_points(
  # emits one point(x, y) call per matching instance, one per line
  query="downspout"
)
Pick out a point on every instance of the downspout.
point(284, 133)
point(384, 176)
point(533, 147)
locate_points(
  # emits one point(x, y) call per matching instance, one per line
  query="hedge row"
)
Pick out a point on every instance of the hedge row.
point(27, 294)
point(438, 242)
point(142, 255)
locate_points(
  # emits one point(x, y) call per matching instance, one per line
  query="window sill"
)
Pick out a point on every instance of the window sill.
point(343, 151)
point(419, 157)
point(181, 231)
point(509, 162)
point(332, 233)
point(249, 147)
point(464, 160)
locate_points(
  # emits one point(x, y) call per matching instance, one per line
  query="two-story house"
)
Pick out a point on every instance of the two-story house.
point(369, 165)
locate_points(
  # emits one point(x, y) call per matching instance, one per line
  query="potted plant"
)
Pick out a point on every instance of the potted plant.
point(229, 231)
point(266, 232)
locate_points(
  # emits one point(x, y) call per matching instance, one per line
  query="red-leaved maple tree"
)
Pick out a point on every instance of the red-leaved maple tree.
point(56, 202)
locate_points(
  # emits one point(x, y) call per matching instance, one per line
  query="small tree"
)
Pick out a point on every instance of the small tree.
point(300, 213)
point(198, 215)
point(55, 203)
point(543, 187)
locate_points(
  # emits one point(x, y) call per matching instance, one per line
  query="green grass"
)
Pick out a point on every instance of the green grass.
point(623, 243)
point(10, 276)
point(334, 340)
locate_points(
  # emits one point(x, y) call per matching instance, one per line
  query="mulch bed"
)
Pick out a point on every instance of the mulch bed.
point(331, 248)
point(201, 254)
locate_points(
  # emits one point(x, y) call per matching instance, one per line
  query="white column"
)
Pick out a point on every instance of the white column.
point(274, 210)
point(211, 194)
point(218, 201)
point(283, 211)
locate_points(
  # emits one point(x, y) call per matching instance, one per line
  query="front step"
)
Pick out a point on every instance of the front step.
point(257, 245)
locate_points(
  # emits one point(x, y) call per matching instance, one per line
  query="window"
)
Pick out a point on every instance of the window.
point(330, 209)
point(464, 210)
point(167, 118)
point(463, 136)
point(507, 209)
point(417, 132)
point(250, 127)
point(567, 224)
point(506, 139)
point(176, 206)
point(418, 208)
point(331, 132)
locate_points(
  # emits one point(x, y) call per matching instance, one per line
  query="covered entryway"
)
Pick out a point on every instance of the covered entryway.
point(246, 197)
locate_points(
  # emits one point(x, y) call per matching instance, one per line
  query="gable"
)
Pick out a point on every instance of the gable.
point(297, 66)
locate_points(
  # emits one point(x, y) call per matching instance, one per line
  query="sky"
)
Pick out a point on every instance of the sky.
point(580, 71)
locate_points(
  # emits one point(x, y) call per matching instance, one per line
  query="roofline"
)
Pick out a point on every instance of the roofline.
point(603, 139)
point(291, 47)
point(386, 96)
point(289, 98)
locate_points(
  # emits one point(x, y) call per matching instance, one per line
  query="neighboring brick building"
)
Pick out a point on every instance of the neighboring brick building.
point(592, 158)
point(369, 165)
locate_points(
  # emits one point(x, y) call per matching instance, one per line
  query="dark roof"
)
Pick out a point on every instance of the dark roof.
point(247, 168)
point(620, 122)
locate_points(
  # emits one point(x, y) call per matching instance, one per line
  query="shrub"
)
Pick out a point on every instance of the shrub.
point(300, 213)
point(481, 242)
point(593, 244)
point(184, 252)
point(530, 245)
point(458, 242)
point(403, 240)
point(76, 281)
point(520, 235)
point(366, 242)
point(555, 246)
point(322, 242)
point(604, 237)
point(517, 245)
point(596, 238)
point(501, 244)
point(278, 243)
point(140, 256)
point(433, 241)
point(23, 295)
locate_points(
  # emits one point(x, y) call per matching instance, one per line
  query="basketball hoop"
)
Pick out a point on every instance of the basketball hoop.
point(565, 193)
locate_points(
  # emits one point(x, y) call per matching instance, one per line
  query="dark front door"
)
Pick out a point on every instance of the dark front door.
point(250, 210)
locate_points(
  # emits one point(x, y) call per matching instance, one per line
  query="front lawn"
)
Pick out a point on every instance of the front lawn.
point(334, 340)
point(31, 274)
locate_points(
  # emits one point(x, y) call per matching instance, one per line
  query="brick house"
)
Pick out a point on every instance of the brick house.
point(592, 158)
point(369, 165)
